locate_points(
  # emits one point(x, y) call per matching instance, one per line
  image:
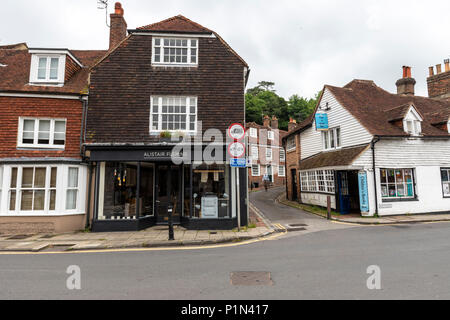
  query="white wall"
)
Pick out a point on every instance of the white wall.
point(352, 132)
point(318, 199)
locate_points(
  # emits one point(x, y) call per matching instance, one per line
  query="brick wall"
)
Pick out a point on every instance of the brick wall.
point(71, 68)
point(439, 85)
point(13, 108)
point(292, 162)
point(121, 86)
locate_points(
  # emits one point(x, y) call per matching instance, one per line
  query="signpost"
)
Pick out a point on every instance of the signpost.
point(236, 150)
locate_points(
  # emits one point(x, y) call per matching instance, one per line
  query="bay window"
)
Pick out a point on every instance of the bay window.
point(72, 189)
point(445, 178)
point(397, 183)
point(175, 51)
point(42, 133)
point(173, 114)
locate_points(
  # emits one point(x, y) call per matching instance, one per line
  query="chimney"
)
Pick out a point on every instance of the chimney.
point(439, 83)
point(406, 84)
point(431, 71)
point(274, 123)
point(118, 29)
point(266, 121)
point(292, 124)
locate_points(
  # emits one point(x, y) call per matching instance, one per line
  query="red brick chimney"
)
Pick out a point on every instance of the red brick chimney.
point(266, 121)
point(274, 123)
point(439, 82)
point(118, 29)
point(406, 84)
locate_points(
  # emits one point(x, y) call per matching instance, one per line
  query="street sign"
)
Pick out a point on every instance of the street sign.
point(236, 150)
point(238, 163)
point(321, 121)
point(236, 131)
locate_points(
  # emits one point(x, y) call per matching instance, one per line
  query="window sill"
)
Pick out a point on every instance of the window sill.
point(41, 214)
point(40, 147)
point(169, 65)
point(399, 200)
point(319, 192)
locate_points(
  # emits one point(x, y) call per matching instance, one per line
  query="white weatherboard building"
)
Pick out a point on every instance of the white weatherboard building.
point(373, 152)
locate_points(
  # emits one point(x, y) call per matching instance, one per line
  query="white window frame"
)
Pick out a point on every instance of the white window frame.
point(35, 143)
point(259, 170)
point(281, 171)
point(445, 184)
point(34, 69)
point(255, 152)
point(332, 135)
point(291, 148)
point(160, 114)
point(253, 133)
point(69, 188)
point(162, 47)
point(270, 135)
point(282, 155)
point(269, 154)
point(60, 200)
point(318, 181)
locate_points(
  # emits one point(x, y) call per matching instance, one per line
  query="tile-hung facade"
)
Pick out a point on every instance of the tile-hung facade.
point(378, 154)
point(172, 78)
point(42, 177)
point(267, 153)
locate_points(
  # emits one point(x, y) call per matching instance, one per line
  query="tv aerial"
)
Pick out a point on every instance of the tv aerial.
point(103, 5)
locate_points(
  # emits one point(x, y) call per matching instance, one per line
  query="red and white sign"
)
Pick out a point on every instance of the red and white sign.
point(236, 150)
point(236, 131)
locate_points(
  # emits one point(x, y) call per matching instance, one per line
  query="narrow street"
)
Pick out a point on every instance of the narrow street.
point(328, 261)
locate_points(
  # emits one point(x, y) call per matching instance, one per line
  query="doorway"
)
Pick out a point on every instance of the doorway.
point(348, 191)
point(294, 184)
point(168, 193)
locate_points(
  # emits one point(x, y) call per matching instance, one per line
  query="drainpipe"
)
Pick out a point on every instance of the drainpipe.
point(372, 145)
point(89, 196)
point(84, 101)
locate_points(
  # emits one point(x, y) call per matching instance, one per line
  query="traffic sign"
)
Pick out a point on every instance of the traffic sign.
point(236, 150)
point(238, 163)
point(236, 131)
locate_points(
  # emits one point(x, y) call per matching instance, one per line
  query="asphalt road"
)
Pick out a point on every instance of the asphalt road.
point(327, 264)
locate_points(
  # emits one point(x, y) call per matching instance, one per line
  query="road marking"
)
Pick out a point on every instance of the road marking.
point(271, 237)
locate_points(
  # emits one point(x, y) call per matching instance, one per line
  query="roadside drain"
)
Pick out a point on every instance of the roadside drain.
point(19, 237)
point(48, 236)
point(251, 278)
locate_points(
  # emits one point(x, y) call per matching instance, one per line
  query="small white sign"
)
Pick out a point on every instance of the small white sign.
point(236, 150)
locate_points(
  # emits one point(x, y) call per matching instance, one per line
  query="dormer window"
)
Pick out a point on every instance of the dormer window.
point(412, 122)
point(175, 51)
point(48, 69)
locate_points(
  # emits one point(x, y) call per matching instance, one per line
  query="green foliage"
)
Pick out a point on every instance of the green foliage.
point(262, 100)
point(166, 134)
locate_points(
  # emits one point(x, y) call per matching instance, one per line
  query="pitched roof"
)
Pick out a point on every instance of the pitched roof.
point(342, 157)
point(14, 76)
point(176, 24)
point(374, 108)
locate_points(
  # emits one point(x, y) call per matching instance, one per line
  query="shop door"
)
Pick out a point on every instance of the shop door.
point(343, 192)
point(168, 192)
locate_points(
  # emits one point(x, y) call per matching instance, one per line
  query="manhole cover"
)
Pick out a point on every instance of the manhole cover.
point(298, 225)
point(251, 278)
point(19, 237)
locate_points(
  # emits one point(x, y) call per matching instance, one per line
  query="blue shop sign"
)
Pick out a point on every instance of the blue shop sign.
point(321, 121)
point(363, 192)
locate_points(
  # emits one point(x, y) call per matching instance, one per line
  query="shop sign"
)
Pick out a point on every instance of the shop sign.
point(150, 155)
point(321, 121)
point(363, 192)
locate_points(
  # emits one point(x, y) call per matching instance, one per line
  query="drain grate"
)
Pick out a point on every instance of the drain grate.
point(251, 278)
point(19, 237)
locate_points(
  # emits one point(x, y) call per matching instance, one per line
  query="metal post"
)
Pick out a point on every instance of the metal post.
point(238, 199)
point(171, 234)
point(329, 207)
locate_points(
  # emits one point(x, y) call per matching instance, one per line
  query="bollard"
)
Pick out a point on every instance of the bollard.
point(329, 208)
point(170, 212)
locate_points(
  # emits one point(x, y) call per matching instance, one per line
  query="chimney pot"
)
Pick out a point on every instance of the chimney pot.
point(118, 9)
point(438, 68)
point(266, 121)
point(431, 71)
point(447, 65)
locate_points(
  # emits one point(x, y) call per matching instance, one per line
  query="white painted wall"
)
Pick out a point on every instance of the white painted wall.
point(352, 132)
point(318, 199)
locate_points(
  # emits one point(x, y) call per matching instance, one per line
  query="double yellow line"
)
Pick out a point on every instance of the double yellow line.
point(280, 227)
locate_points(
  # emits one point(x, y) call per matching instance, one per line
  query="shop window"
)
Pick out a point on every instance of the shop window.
point(445, 177)
point(187, 192)
point(72, 189)
point(146, 192)
point(211, 193)
point(397, 183)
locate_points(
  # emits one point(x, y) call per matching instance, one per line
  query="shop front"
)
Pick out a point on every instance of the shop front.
point(135, 187)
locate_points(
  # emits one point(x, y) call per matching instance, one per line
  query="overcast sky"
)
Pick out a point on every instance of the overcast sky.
point(298, 44)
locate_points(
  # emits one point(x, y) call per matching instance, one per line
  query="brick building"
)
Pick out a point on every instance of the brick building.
point(266, 152)
point(161, 87)
point(43, 93)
